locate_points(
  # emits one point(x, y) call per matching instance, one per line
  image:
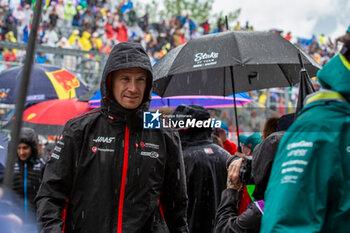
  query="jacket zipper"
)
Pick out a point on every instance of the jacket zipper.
point(25, 189)
point(122, 187)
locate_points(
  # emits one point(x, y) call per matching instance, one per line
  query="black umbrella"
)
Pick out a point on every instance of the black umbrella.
point(202, 66)
point(229, 62)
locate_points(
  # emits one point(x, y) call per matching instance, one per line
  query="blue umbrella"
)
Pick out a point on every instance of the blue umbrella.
point(46, 82)
point(3, 153)
point(94, 102)
point(205, 101)
point(173, 102)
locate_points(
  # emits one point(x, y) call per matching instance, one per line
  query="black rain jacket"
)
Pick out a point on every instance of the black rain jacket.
point(114, 175)
point(206, 173)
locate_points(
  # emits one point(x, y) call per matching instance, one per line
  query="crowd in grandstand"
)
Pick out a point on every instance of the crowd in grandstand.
point(96, 25)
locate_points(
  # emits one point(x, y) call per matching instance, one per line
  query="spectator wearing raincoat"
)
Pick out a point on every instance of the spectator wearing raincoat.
point(109, 30)
point(10, 26)
point(96, 40)
point(122, 32)
point(74, 37)
point(85, 41)
point(68, 62)
point(10, 37)
point(28, 169)
point(308, 190)
point(69, 12)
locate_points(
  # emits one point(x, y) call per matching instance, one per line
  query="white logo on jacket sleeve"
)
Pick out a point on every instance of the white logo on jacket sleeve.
point(55, 156)
point(208, 151)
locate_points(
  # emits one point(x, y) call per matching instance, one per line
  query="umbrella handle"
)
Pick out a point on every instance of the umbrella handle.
point(235, 107)
point(301, 61)
point(226, 22)
point(253, 75)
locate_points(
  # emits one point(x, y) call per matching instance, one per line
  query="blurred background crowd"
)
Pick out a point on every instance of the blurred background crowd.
point(98, 25)
point(94, 25)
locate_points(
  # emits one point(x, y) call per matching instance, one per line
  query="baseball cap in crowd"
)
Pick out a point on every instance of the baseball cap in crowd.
point(225, 127)
point(252, 141)
point(242, 139)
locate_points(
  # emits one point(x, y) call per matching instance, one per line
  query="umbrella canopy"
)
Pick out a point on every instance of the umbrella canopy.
point(49, 117)
point(46, 82)
point(3, 153)
point(95, 100)
point(228, 63)
point(173, 102)
point(205, 101)
point(202, 66)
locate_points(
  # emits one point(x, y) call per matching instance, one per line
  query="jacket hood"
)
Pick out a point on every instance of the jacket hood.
point(264, 155)
point(29, 137)
point(86, 35)
point(193, 136)
point(184, 112)
point(126, 55)
point(335, 76)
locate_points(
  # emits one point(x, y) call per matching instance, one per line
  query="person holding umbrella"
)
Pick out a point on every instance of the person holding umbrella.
point(110, 173)
point(308, 190)
point(205, 166)
point(231, 216)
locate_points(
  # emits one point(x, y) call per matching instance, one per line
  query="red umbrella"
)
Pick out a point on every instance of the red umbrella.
point(49, 117)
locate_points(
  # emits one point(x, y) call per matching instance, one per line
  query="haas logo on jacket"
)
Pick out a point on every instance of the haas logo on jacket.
point(103, 139)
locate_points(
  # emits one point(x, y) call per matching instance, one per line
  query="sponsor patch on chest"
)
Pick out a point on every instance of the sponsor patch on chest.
point(149, 145)
point(104, 139)
point(151, 154)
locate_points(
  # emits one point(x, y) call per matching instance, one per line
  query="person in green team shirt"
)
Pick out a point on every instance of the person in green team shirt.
point(309, 186)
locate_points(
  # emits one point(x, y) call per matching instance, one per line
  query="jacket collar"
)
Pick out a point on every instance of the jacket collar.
point(324, 95)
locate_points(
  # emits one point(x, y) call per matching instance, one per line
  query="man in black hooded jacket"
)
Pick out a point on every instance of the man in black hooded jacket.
point(107, 172)
point(205, 166)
